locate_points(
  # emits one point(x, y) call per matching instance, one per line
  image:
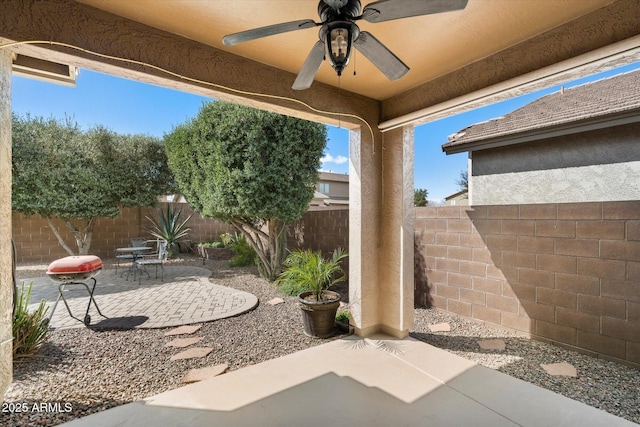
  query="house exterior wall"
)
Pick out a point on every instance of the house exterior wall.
point(338, 185)
point(459, 200)
point(602, 165)
point(567, 273)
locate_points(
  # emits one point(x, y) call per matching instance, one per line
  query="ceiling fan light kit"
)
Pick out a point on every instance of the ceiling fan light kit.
point(339, 34)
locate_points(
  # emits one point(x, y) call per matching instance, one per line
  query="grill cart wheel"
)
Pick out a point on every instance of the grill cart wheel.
point(87, 320)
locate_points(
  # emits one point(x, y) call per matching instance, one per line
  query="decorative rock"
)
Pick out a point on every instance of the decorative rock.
point(196, 375)
point(560, 369)
point(192, 353)
point(183, 342)
point(440, 327)
point(492, 344)
point(183, 330)
point(275, 301)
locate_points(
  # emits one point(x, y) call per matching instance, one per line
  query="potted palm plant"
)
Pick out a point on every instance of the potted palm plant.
point(313, 275)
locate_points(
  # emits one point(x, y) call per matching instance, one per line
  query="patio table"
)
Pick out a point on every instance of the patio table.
point(136, 253)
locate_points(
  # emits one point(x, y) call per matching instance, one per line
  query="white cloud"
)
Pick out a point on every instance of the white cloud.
point(328, 158)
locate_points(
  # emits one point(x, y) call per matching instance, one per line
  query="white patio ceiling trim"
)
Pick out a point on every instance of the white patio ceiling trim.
point(603, 59)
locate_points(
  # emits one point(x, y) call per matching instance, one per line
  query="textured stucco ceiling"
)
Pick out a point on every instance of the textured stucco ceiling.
point(432, 45)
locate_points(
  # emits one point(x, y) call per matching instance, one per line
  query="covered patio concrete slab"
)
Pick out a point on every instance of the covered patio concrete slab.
point(375, 381)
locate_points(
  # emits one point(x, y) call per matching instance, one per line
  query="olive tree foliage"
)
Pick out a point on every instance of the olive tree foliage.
point(61, 171)
point(254, 169)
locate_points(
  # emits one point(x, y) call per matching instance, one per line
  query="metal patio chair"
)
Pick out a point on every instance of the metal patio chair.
point(156, 262)
point(135, 242)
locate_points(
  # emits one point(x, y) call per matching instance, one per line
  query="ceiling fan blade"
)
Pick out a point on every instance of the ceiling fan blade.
point(271, 30)
point(381, 56)
point(387, 10)
point(310, 67)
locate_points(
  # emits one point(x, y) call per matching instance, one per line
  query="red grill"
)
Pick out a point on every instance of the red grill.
point(74, 268)
point(73, 271)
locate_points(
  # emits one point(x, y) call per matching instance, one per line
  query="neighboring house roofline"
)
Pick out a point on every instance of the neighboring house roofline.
point(456, 194)
point(333, 176)
point(538, 134)
point(605, 103)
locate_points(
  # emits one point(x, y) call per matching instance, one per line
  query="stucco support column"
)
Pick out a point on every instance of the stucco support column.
point(364, 222)
point(6, 287)
point(381, 232)
point(395, 267)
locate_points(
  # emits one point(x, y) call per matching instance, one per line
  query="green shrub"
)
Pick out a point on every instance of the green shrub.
point(343, 317)
point(227, 239)
point(244, 253)
point(29, 329)
point(215, 244)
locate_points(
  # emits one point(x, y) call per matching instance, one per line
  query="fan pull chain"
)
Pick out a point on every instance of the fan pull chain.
point(339, 97)
point(354, 61)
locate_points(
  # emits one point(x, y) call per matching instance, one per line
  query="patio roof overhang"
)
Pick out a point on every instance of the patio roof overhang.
point(488, 52)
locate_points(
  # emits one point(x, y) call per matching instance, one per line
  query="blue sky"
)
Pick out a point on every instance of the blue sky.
point(127, 106)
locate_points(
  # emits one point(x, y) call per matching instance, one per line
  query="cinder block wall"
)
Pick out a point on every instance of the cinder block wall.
point(324, 230)
point(569, 273)
point(321, 230)
point(36, 242)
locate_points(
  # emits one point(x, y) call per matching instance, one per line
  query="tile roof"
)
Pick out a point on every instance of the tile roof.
point(592, 100)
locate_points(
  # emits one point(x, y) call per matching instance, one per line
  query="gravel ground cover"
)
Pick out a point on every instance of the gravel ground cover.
point(82, 371)
point(603, 384)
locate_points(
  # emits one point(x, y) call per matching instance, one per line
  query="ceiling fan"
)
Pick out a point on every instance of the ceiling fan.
point(339, 33)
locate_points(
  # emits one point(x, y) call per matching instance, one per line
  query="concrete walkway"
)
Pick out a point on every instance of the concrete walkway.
point(355, 382)
point(185, 296)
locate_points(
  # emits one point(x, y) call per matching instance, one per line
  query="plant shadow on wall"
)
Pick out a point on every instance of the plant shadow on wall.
point(422, 291)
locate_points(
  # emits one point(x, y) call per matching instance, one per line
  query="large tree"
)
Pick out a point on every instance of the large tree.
point(61, 171)
point(255, 169)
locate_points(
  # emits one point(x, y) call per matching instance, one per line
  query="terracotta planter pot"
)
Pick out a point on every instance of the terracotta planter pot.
point(319, 317)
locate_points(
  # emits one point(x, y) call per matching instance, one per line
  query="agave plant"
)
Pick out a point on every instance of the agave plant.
point(170, 227)
point(310, 271)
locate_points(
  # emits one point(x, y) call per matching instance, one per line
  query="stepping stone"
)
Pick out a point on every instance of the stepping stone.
point(183, 330)
point(440, 327)
point(275, 301)
point(192, 353)
point(183, 342)
point(202, 374)
point(563, 369)
point(496, 344)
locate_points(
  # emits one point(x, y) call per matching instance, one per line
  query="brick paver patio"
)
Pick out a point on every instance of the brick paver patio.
point(185, 296)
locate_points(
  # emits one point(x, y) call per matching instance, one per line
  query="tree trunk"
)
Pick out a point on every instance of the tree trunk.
point(277, 246)
point(59, 237)
point(271, 247)
point(83, 237)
